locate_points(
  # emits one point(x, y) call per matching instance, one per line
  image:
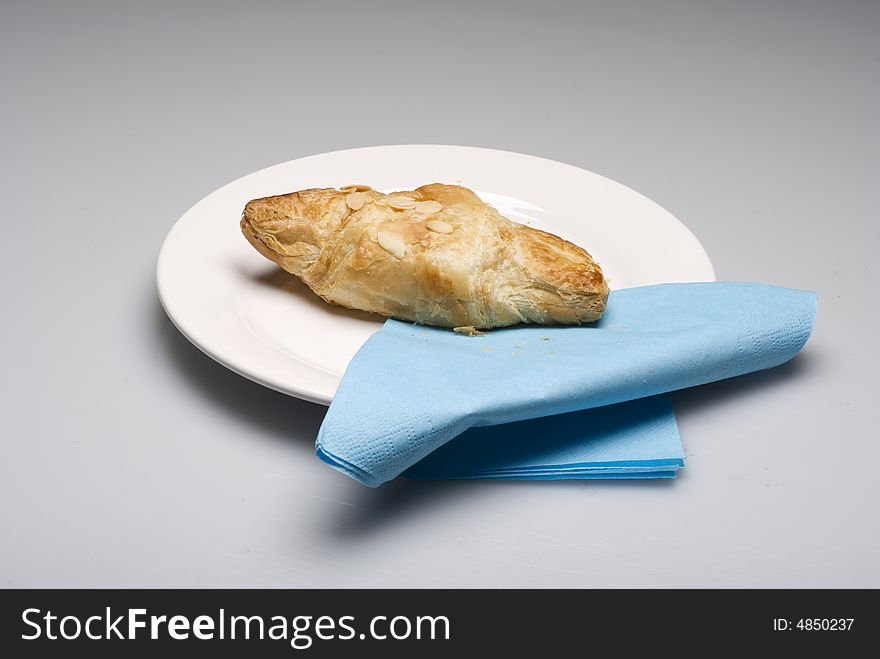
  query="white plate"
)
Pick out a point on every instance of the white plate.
point(261, 322)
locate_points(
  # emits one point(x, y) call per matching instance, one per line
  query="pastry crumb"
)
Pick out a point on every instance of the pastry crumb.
point(470, 330)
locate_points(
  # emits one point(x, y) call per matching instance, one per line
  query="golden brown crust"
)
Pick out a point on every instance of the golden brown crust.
point(436, 255)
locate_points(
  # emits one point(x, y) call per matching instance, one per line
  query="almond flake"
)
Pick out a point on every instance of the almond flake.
point(400, 202)
point(355, 187)
point(391, 244)
point(439, 226)
point(355, 200)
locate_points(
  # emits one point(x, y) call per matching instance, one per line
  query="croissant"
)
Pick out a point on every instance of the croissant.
point(436, 255)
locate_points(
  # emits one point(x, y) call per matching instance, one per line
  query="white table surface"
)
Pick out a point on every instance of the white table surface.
point(130, 459)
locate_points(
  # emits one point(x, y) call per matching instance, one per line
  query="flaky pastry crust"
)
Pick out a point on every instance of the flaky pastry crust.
point(436, 255)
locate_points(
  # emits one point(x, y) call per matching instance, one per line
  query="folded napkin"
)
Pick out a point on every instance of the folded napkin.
point(411, 389)
point(636, 439)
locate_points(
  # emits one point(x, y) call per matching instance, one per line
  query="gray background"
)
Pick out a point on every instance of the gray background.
point(130, 459)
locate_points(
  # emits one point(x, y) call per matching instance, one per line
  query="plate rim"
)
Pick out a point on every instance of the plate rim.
point(312, 394)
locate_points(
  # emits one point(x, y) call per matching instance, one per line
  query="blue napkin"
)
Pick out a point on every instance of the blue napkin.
point(411, 389)
point(636, 439)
